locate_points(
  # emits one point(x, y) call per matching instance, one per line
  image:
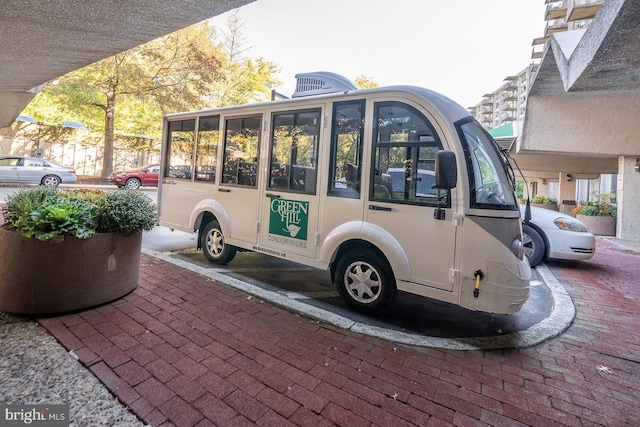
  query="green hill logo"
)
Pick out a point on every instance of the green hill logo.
point(289, 218)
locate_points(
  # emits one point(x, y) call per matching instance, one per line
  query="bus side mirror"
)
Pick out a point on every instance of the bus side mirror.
point(446, 170)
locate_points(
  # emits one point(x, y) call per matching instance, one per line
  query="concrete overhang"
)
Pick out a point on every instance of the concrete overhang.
point(42, 40)
point(585, 98)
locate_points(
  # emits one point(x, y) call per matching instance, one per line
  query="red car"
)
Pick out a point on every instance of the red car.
point(145, 176)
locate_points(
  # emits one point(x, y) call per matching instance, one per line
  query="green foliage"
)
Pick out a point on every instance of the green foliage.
point(602, 205)
point(128, 94)
point(544, 200)
point(241, 80)
point(47, 213)
point(365, 82)
point(520, 189)
point(126, 212)
point(23, 202)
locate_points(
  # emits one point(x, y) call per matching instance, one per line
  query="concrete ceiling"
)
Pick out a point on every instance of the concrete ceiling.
point(42, 40)
point(604, 57)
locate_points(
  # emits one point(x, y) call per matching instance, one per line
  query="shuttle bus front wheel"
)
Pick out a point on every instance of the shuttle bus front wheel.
point(365, 281)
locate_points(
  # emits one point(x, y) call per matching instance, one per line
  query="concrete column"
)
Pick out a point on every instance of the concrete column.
point(566, 191)
point(628, 224)
point(542, 187)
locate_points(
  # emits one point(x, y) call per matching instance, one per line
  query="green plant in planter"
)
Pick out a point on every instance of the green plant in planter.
point(48, 213)
point(602, 205)
point(544, 200)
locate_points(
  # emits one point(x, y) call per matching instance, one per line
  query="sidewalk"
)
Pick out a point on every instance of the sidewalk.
point(187, 351)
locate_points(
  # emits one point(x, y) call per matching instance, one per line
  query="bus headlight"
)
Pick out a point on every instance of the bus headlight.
point(517, 247)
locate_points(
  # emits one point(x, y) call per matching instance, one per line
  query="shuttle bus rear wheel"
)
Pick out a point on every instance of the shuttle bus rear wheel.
point(213, 245)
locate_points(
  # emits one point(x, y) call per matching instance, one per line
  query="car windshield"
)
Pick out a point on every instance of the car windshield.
point(488, 180)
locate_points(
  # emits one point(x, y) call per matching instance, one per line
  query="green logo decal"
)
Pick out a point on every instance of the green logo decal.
point(289, 218)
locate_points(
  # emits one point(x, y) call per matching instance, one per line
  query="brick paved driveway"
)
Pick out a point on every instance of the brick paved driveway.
point(183, 350)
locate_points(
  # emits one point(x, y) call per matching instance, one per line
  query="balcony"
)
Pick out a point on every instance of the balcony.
point(539, 41)
point(555, 10)
point(509, 95)
point(537, 52)
point(555, 26)
point(583, 9)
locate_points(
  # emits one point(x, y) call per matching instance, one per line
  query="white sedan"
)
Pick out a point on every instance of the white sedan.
point(554, 235)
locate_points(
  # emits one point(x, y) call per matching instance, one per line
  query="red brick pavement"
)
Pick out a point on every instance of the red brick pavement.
point(183, 350)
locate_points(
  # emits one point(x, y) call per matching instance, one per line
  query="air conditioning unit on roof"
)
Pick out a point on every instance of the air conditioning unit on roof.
point(321, 82)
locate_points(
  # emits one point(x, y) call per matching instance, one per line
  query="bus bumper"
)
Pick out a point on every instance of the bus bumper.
point(502, 289)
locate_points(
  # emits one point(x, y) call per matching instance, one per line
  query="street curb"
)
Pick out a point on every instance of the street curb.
point(558, 321)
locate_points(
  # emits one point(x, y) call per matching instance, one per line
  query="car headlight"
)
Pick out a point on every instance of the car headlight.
point(570, 224)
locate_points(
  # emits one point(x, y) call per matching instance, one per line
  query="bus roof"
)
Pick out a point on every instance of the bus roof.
point(447, 108)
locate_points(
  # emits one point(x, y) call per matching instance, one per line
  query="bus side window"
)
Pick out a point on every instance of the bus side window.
point(347, 128)
point(180, 139)
point(241, 143)
point(404, 149)
point(294, 150)
point(207, 148)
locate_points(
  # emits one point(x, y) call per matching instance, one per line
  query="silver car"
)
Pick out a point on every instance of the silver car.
point(33, 170)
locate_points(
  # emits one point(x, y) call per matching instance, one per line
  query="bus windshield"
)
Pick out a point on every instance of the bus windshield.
point(490, 187)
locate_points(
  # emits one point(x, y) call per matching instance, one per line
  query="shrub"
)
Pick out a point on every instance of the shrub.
point(126, 212)
point(48, 213)
point(544, 200)
point(602, 205)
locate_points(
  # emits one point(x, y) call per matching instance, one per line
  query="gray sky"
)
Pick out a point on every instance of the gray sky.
point(460, 48)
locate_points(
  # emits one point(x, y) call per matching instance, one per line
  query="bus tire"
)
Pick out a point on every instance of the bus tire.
point(213, 245)
point(533, 245)
point(365, 281)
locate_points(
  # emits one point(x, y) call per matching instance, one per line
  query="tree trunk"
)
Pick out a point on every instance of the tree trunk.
point(109, 119)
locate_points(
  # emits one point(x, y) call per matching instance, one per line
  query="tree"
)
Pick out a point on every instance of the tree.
point(243, 80)
point(364, 82)
point(168, 74)
point(131, 91)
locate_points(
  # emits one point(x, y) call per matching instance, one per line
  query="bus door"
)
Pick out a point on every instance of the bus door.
point(289, 214)
point(402, 197)
point(238, 190)
point(189, 174)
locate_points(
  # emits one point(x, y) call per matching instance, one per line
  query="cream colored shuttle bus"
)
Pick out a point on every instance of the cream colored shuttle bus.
point(389, 189)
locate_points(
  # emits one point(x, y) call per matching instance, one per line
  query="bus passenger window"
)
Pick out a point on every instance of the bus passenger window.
point(207, 149)
point(241, 143)
point(294, 150)
point(404, 150)
point(346, 149)
point(180, 139)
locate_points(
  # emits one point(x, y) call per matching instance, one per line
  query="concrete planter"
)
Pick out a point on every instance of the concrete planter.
point(551, 207)
point(39, 277)
point(599, 225)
